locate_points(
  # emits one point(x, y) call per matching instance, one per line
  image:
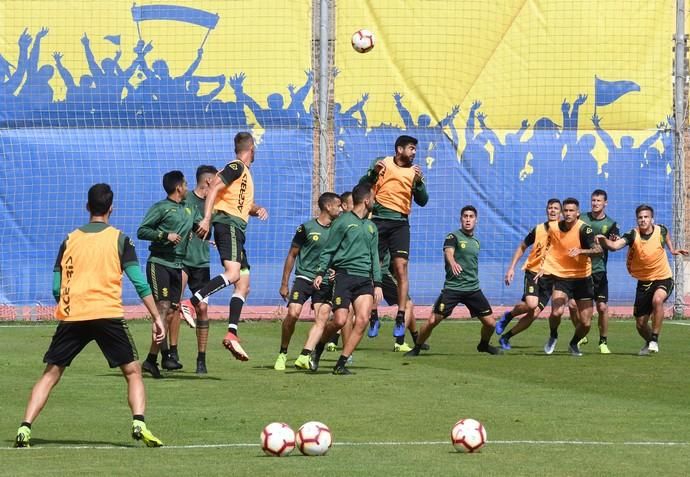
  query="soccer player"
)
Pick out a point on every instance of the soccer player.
point(461, 252)
point(309, 240)
point(229, 203)
point(648, 263)
point(197, 266)
point(571, 244)
point(352, 251)
point(536, 295)
point(389, 287)
point(396, 181)
point(346, 205)
point(168, 226)
point(601, 224)
point(87, 285)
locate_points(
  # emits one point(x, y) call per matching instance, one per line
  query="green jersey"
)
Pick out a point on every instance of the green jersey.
point(352, 247)
point(310, 238)
point(606, 227)
point(198, 254)
point(162, 218)
point(466, 252)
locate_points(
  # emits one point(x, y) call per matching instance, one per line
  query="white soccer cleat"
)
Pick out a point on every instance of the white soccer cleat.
point(653, 347)
point(188, 312)
point(644, 351)
point(550, 345)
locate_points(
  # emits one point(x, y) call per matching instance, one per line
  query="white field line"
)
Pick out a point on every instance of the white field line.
point(380, 443)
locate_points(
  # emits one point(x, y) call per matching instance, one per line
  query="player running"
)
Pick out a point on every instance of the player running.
point(648, 263)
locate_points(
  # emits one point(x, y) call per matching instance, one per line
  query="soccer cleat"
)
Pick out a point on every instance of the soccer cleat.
point(314, 362)
point(604, 348)
point(201, 367)
point(280, 362)
point(188, 312)
point(653, 347)
point(583, 341)
point(152, 368)
point(644, 351)
point(23, 438)
point(413, 352)
point(503, 322)
point(141, 433)
point(374, 326)
point(574, 350)
point(399, 329)
point(302, 362)
point(550, 345)
point(425, 347)
point(401, 348)
point(505, 344)
point(489, 349)
point(232, 344)
point(342, 370)
point(170, 364)
point(350, 360)
point(331, 346)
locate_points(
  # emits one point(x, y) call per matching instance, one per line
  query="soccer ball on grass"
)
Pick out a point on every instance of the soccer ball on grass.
point(468, 435)
point(277, 439)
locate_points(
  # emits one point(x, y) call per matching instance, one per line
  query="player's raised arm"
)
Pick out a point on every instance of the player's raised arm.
point(669, 245)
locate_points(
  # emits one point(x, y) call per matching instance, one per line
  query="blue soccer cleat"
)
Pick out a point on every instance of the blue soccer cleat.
point(503, 322)
point(374, 326)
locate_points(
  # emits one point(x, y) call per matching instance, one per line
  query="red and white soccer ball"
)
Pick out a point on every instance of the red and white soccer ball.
point(468, 435)
point(363, 41)
point(277, 439)
point(314, 438)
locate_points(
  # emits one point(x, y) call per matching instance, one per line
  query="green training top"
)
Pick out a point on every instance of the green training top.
point(352, 247)
point(607, 227)
point(162, 218)
point(310, 238)
point(198, 254)
point(466, 252)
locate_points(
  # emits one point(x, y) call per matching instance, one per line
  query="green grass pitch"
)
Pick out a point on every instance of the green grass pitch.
point(545, 415)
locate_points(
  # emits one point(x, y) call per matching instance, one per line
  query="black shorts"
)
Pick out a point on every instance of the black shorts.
point(347, 288)
point(111, 335)
point(165, 282)
point(600, 282)
point(303, 290)
point(390, 289)
point(475, 301)
point(197, 277)
point(230, 244)
point(575, 288)
point(394, 237)
point(542, 289)
point(645, 293)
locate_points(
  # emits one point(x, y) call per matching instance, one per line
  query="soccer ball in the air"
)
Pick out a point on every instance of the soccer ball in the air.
point(314, 438)
point(363, 41)
point(277, 439)
point(468, 435)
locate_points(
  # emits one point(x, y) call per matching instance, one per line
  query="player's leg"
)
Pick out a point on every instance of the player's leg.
point(174, 322)
point(230, 245)
point(231, 340)
point(364, 298)
point(67, 342)
point(662, 290)
point(321, 313)
point(411, 324)
point(342, 286)
point(479, 307)
point(302, 290)
point(136, 396)
point(583, 293)
point(287, 329)
point(37, 400)
point(443, 307)
point(174, 282)
point(520, 308)
point(399, 246)
point(534, 298)
point(559, 302)
point(601, 298)
point(642, 311)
